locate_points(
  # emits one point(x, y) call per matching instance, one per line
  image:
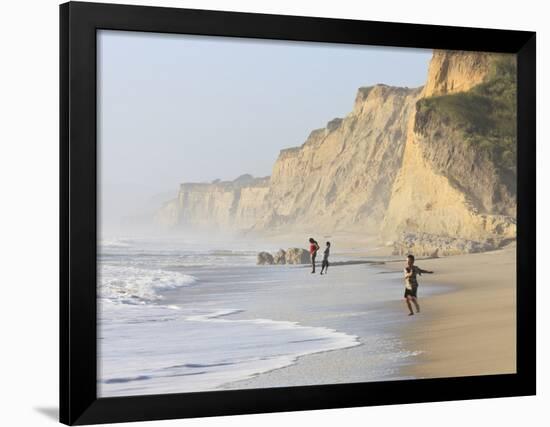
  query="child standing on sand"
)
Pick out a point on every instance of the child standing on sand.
point(411, 284)
point(313, 248)
point(326, 253)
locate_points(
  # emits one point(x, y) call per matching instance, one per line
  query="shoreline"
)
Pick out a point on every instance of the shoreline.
point(380, 355)
point(471, 330)
point(343, 303)
point(468, 329)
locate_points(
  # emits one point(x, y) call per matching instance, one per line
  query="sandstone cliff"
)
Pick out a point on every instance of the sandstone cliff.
point(223, 205)
point(458, 174)
point(456, 71)
point(341, 177)
point(437, 162)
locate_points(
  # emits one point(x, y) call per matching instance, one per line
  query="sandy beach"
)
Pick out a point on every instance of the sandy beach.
point(466, 327)
point(212, 319)
point(472, 329)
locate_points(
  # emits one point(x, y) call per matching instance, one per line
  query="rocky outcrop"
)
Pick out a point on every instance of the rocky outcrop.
point(264, 258)
point(280, 257)
point(290, 256)
point(297, 256)
point(456, 71)
point(424, 244)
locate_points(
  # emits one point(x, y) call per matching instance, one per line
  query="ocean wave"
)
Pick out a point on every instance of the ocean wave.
point(200, 349)
point(133, 285)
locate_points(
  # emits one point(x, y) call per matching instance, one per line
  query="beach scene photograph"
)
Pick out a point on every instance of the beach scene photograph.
point(276, 213)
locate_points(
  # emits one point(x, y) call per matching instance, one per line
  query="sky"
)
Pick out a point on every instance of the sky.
point(181, 108)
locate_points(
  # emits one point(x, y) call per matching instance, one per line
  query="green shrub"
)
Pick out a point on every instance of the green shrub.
point(486, 114)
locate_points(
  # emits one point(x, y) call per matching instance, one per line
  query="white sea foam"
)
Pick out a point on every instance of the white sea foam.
point(185, 351)
point(147, 346)
point(133, 285)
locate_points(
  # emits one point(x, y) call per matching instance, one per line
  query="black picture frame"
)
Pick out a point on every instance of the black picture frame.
point(79, 22)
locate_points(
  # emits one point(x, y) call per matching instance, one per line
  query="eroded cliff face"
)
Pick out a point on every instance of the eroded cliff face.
point(436, 162)
point(449, 185)
point(426, 198)
point(222, 205)
point(456, 71)
point(341, 177)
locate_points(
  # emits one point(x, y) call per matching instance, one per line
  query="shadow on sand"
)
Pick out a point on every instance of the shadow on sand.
point(343, 263)
point(336, 263)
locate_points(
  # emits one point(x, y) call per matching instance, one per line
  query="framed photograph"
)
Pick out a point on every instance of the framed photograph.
point(267, 213)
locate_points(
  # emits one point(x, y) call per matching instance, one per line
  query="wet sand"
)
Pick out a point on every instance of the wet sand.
point(469, 329)
point(472, 330)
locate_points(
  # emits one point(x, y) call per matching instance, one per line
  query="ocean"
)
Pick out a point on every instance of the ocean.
point(185, 316)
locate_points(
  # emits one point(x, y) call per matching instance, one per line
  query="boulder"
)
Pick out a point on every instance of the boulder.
point(264, 258)
point(297, 256)
point(280, 257)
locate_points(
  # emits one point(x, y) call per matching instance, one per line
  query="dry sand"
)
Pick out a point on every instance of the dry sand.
point(472, 330)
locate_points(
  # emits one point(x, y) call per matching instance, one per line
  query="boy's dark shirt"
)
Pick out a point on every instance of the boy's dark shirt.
point(411, 282)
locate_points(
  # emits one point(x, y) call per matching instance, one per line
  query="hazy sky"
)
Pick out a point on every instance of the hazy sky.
point(175, 108)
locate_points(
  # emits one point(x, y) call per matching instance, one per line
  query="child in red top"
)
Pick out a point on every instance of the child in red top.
point(313, 248)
